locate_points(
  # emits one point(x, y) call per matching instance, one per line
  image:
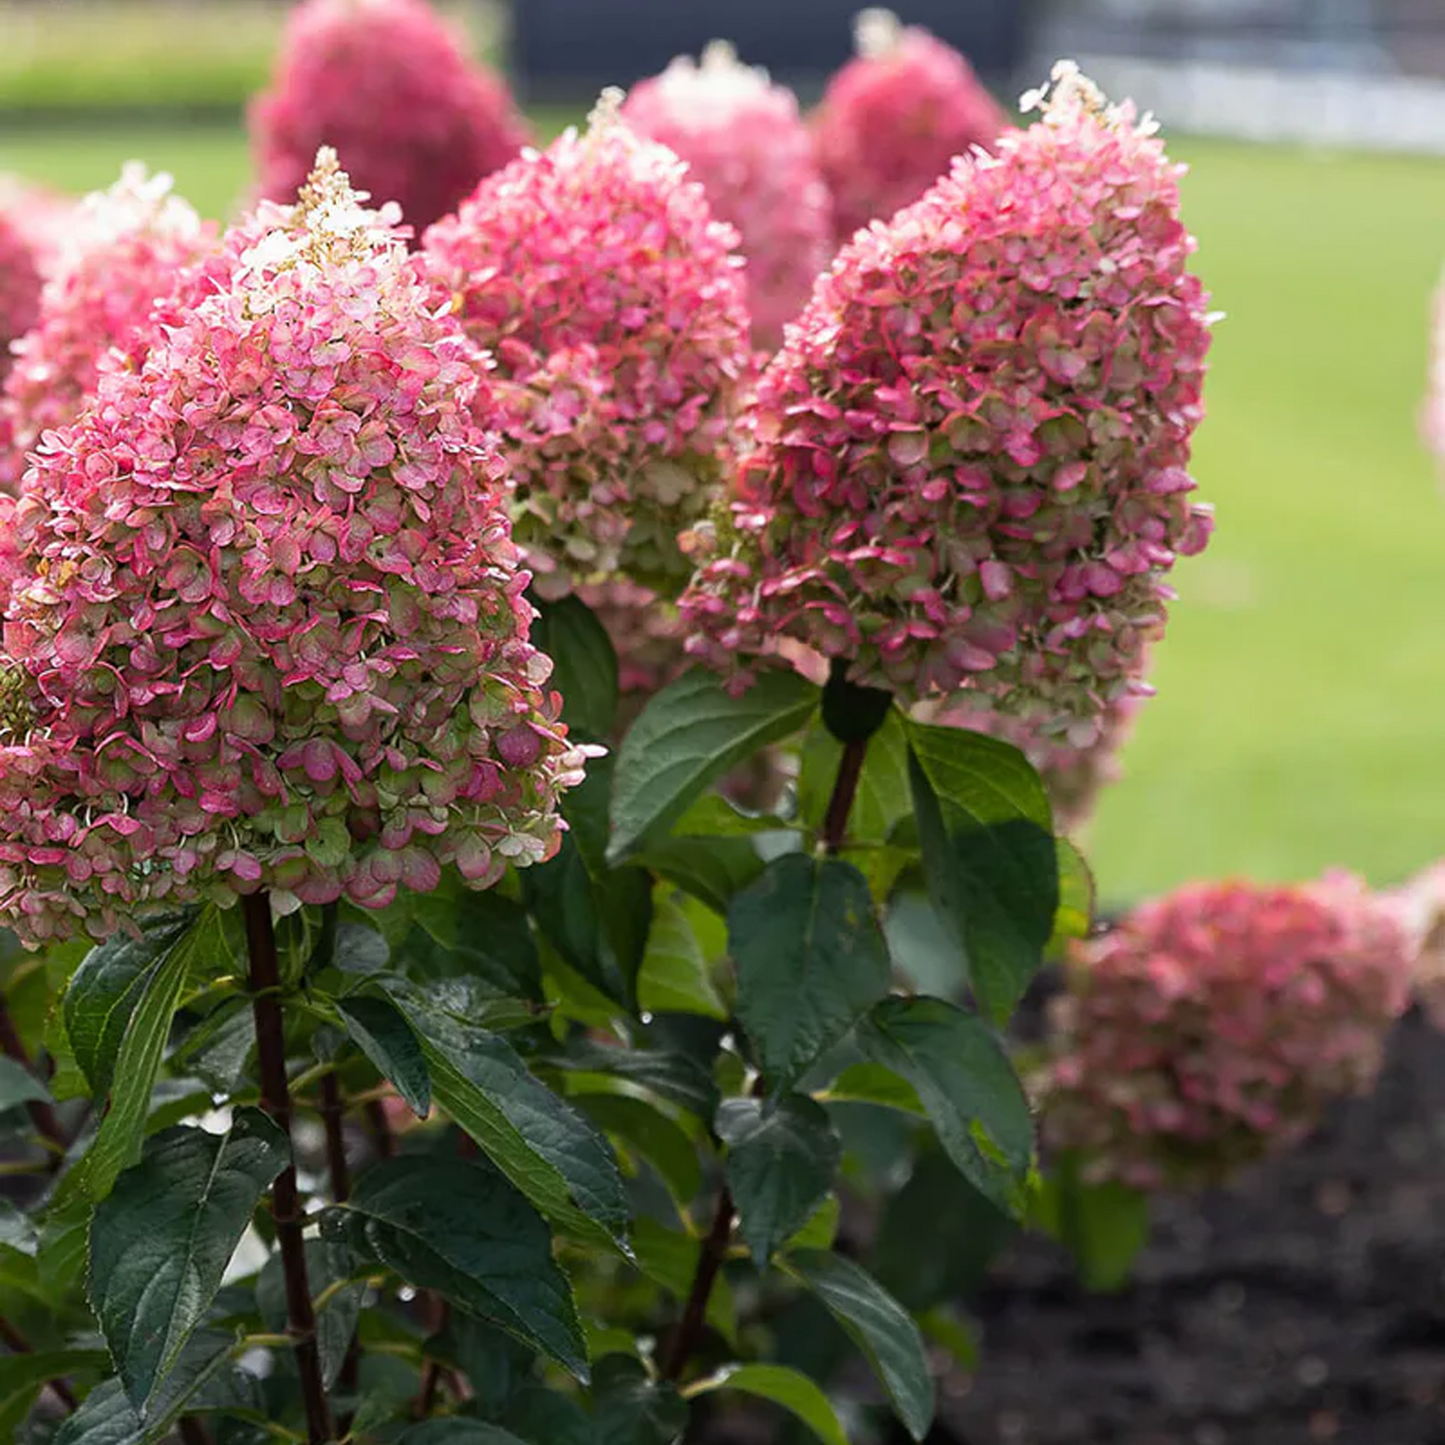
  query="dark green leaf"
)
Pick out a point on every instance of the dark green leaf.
point(458, 1227)
point(543, 1145)
point(584, 664)
point(810, 959)
point(672, 1076)
point(22, 1377)
point(543, 1417)
point(873, 1084)
point(795, 1392)
point(880, 1327)
point(379, 1030)
point(675, 977)
point(652, 1135)
point(1104, 1225)
point(820, 1229)
point(882, 797)
point(17, 1230)
point(357, 949)
point(328, 1263)
point(690, 734)
point(988, 854)
point(629, 1408)
point(105, 990)
point(966, 1083)
point(19, 1086)
point(160, 1243)
point(713, 870)
point(670, 1259)
point(497, 1366)
point(782, 1156)
point(1076, 897)
point(137, 1062)
point(459, 1432)
point(477, 933)
point(217, 1048)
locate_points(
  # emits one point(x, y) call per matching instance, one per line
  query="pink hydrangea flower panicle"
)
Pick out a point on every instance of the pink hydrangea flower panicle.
point(894, 118)
point(391, 86)
point(1213, 1027)
point(265, 601)
point(613, 306)
point(968, 462)
point(745, 142)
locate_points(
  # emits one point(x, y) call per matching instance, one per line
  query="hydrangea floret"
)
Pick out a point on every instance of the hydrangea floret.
point(892, 120)
point(744, 140)
point(267, 627)
point(122, 260)
point(20, 285)
point(1214, 1025)
point(390, 85)
point(970, 455)
point(619, 380)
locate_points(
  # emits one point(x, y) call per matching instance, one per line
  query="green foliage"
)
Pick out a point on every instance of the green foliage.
point(795, 1392)
point(1103, 1225)
point(584, 664)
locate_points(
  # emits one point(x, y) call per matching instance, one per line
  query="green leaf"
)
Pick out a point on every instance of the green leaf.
point(542, 1144)
point(713, 870)
point(380, 1031)
point(584, 664)
point(782, 1156)
point(675, 977)
point(676, 1077)
point(543, 1417)
point(872, 1084)
point(328, 1263)
point(629, 1408)
point(965, 1081)
point(880, 1327)
point(820, 1229)
point(988, 855)
point(137, 1063)
point(160, 1243)
point(669, 1259)
point(1075, 916)
point(22, 1376)
point(19, 1086)
point(458, 1227)
point(651, 1135)
point(17, 1229)
point(810, 960)
point(459, 1432)
point(1104, 1225)
point(795, 1392)
point(106, 989)
point(690, 734)
point(883, 796)
point(477, 933)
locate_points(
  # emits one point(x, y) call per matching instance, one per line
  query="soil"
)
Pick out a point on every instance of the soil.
point(1303, 1304)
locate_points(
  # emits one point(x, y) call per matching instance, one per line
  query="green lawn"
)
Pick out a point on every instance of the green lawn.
point(1301, 715)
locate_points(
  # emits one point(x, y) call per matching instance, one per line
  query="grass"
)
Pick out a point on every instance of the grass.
point(1301, 716)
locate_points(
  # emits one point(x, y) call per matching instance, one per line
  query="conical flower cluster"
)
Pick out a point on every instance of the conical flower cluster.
point(745, 142)
point(20, 284)
point(892, 120)
point(268, 622)
point(1213, 1026)
point(613, 306)
point(124, 257)
point(970, 459)
point(391, 87)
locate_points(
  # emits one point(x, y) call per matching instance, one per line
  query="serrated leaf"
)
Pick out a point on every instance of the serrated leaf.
point(379, 1029)
point(23, 1376)
point(217, 1048)
point(584, 664)
point(782, 1156)
point(873, 1084)
point(676, 1077)
point(458, 1227)
point(106, 989)
point(630, 1408)
point(794, 1392)
point(810, 960)
point(459, 1432)
point(160, 1243)
point(669, 1258)
point(989, 856)
point(651, 1135)
point(543, 1417)
point(476, 933)
point(689, 735)
point(675, 977)
point(882, 797)
point(137, 1063)
point(19, 1086)
point(541, 1143)
point(880, 1327)
point(967, 1086)
point(328, 1263)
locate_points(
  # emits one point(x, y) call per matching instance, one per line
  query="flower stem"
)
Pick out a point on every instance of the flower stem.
point(709, 1262)
point(333, 1110)
point(285, 1195)
point(42, 1113)
point(845, 789)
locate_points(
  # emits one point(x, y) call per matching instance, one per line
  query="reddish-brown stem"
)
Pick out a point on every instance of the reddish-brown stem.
point(193, 1432)
point(42, 1113)
point(709, 1263)
point(17, 1342)
point(285, 1195)
point(333, 1112)
point(845, 788)
point(380, 1125)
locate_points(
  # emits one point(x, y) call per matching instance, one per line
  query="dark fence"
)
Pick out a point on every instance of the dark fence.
point(563, 48)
